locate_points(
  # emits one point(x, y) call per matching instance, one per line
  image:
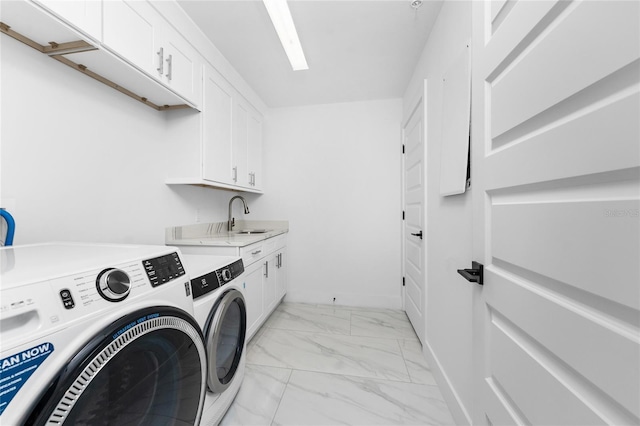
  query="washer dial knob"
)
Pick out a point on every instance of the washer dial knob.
point(113, 284)
point(226, 275)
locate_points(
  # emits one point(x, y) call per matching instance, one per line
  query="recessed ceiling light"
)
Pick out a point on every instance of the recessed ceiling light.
point(283, 22)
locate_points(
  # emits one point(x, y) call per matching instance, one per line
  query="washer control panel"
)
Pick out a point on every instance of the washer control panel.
point(213, 280)
point(163, 269)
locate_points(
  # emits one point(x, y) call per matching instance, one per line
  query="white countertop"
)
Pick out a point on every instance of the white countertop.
point(215, 234)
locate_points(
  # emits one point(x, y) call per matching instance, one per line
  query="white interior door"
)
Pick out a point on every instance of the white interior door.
point(414, 231)
point(556, 183)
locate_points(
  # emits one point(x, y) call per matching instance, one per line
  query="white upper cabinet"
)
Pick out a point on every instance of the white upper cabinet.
point(217, 113)
point(182, 67)
point(222, 146)
point(130, 30)
point(85, 15)
point(135, 31)
point(247, 145)
point(240, 143)
point(254, 149)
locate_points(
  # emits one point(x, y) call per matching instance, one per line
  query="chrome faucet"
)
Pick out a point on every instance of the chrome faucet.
point(232, 220)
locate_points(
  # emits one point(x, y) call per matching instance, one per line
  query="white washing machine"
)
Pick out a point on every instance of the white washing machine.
point(98, 335)
point(220, 310)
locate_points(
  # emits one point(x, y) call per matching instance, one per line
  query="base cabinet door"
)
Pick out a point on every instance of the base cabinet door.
point(253, 296)
point(281, 273)
point(269, 283)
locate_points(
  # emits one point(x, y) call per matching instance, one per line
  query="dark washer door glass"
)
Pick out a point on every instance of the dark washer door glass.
point(230, 342)
point(155, 380)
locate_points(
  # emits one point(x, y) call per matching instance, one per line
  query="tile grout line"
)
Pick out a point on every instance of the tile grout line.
point(275, 412)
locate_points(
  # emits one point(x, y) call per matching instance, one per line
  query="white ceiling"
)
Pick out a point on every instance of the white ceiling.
point(356, 50)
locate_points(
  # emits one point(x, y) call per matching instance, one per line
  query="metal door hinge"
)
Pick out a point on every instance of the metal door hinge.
point(402, 214)
point(402, 281)
point(403, 148)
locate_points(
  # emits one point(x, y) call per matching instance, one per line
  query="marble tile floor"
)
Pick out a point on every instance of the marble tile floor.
point(334, 365)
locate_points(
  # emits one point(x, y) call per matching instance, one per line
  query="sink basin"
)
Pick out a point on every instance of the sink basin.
point(253, 231)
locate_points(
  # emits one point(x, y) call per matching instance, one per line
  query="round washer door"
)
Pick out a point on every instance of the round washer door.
point(225, 333)
point(148, 368)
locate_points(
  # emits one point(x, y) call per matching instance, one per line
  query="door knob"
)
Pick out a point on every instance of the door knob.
point(475, 274)
point(419, 234)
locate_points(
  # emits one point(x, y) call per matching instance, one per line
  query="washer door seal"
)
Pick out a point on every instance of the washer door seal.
point(225, 333)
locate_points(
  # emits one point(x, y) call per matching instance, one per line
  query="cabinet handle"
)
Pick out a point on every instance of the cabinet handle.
point(266, 270)
point(279, 260)
point(235, 174)
point(161, 61)
point(169, 64)
point(256, 252)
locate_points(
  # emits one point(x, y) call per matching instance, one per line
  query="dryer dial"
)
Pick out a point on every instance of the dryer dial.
point(113, 284)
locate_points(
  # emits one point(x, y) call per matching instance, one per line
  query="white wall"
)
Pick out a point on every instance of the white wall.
point(334, 172)
point(449, 222)
point(82, 162)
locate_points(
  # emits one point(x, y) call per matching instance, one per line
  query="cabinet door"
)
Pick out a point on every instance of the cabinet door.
point(254, 150)
point(182, 65)
point(217, 110)
point(281, 273)
point(84, 15)
point(240, 134)
point(130, 31)
point(252, 284)
point(269, 282)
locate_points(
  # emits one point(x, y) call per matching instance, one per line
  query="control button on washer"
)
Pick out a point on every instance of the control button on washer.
point(67, 299)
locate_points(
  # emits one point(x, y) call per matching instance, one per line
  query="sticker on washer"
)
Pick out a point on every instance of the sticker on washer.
point(16, 369)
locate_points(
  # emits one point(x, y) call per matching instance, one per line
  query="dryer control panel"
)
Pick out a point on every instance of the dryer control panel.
point(206, 283)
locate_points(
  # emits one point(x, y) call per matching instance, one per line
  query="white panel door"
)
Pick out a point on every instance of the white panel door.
point(556, 184)
point(414, 231)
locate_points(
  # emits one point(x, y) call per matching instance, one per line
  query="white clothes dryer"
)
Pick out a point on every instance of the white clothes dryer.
point(98, 335)
point(220, 310)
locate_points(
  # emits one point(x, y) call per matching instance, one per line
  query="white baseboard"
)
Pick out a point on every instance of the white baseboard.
point(345, 299)
point(458, 411)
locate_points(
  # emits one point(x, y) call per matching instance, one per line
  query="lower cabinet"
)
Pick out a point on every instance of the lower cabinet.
point(281, 272)
point(269, 282)
point(265, 284)
point(253, 295)
point(264, 279)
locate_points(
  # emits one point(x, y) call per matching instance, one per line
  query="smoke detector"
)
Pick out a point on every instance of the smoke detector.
point(416, 4)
